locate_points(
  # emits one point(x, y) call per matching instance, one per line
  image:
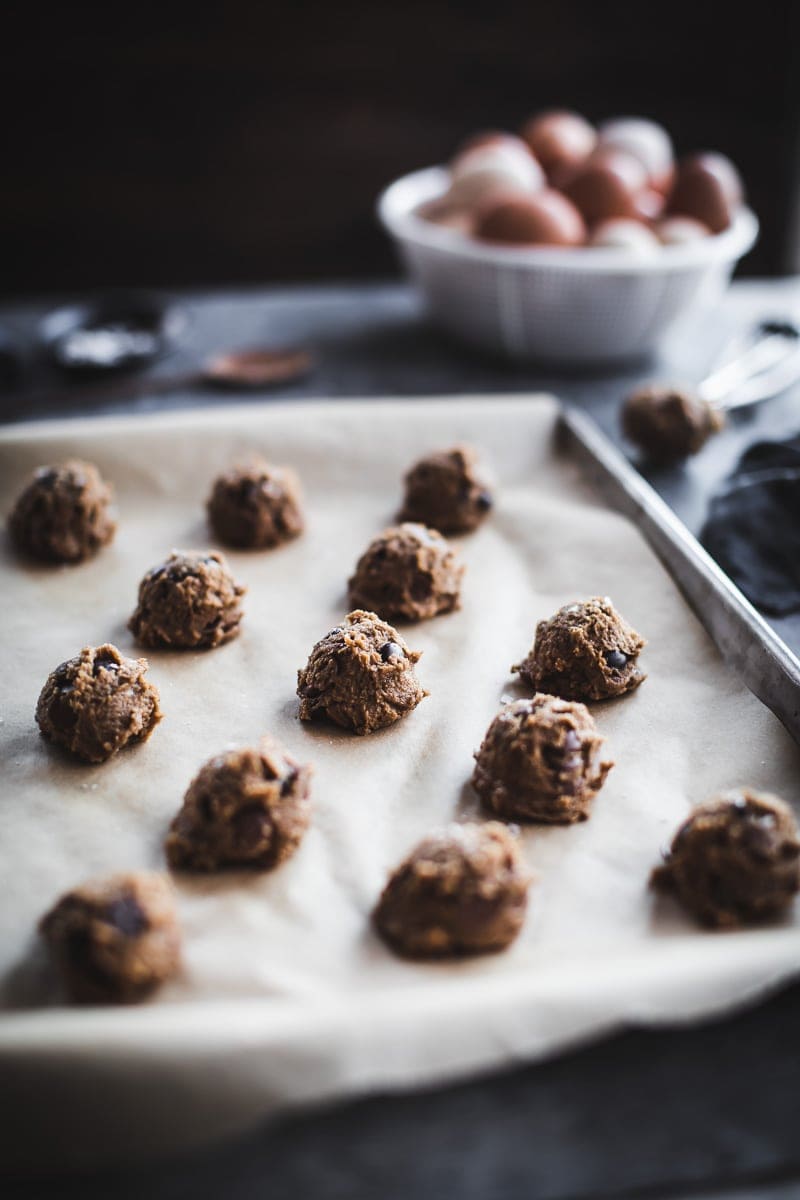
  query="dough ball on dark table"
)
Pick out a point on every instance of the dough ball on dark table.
point(541, 761)
point(669, 424)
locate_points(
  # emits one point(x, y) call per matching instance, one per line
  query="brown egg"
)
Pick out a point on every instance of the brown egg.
point(545, 219)
point(607, 185)
point(620, 233)
point(559, 139)
point(645, 140)
point(680, 231)
point(707, 187)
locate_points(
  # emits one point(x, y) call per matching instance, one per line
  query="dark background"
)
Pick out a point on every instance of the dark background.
point(175, 144)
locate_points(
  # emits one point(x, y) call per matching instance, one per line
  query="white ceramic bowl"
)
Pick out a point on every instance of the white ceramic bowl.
point(575, 305)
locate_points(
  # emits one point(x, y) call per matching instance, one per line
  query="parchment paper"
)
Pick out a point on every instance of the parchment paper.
point(286, 995)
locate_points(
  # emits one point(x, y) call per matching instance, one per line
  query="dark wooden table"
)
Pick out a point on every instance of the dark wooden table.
point(710, 1110)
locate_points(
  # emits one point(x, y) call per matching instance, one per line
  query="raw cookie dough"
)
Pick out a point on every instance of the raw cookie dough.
point(245, 808)
point(407, 573)
point(63, 514)
point(541, 761)
point(256, 507)
point(735, 860)
point(114, 940)
point(669, 424)
point(463, 890)
point(360, 675)
point(584, 652)
point(191, 601)
point(98, 702)
point(447, 492)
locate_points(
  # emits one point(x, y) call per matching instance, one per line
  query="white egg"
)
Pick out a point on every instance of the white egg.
point(645, 140)
point(489, 168)
point(622, 234)
point(681, 231)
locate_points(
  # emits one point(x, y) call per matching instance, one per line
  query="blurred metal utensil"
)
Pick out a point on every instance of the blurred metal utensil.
point(767, 365)
point(250, 370)
point(671, 423)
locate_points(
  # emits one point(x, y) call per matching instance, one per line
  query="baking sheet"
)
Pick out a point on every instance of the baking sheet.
point(286, 995)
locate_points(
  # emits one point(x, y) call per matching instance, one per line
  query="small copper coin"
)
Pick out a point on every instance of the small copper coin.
point(256, 368)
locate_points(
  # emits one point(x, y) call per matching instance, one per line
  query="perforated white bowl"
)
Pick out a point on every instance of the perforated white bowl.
point(548, 303)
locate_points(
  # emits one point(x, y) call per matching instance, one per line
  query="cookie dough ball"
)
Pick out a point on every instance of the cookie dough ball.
point(462, 891)
point(407, 573)
point(585, 652)
point(190, 602)
point(541, 761)
point(246, 808)
point(736, 860)
point(669, 424)
point(256, 507)
point(64, 514)
point(96, 703)
point(114, 940)
point(447, 492)
point(361, 676)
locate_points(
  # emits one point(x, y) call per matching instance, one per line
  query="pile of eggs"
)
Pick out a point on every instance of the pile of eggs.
point(563, 182)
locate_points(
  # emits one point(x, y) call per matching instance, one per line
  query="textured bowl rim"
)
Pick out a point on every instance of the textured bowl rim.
point(397, 205)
